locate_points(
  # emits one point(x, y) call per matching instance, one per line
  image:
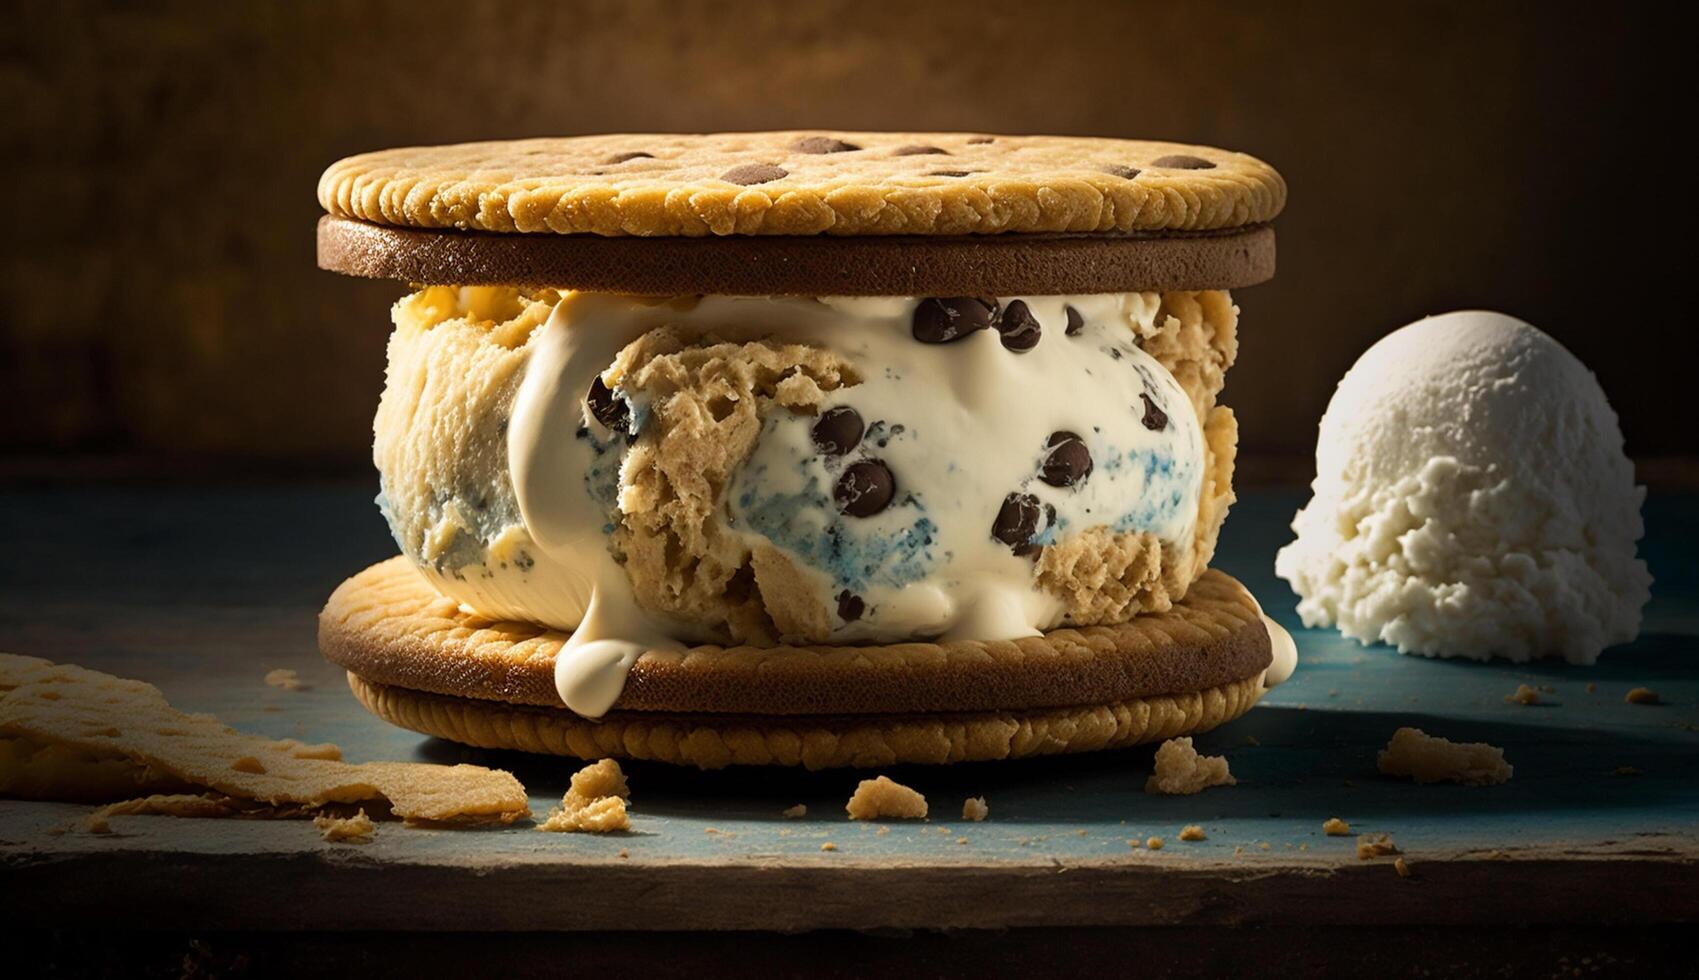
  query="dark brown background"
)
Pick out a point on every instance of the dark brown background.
point(159, 163)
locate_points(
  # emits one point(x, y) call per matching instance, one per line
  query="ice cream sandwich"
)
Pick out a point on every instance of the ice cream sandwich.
point(805, 448)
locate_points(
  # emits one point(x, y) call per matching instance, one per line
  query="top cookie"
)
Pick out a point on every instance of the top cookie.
point(807, 183)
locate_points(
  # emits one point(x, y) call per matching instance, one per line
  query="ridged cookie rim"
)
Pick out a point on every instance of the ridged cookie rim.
point(663, 185)
point(387, 625)
point(714, 742)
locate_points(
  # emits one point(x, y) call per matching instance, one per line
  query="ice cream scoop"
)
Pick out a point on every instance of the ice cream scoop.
point(1472, 499)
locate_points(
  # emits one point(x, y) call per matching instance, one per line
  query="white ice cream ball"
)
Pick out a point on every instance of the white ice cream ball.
point(1472, 498)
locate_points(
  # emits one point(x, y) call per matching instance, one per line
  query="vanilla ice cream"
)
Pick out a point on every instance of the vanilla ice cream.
point(1471, 499)
point(753, 470)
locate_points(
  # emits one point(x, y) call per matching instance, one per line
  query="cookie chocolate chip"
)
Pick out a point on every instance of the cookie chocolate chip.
point(915, 151)
point(1182, 161)
point(1118, 170)
point(1017, 521)
point(822, 144)
point(1155, 419)
point(948, 173)
point(865, 488)
point(850, 606)
point(1076, 322)
point(606, 407)
point(942, 320)
point(1067, 461)
point(636, 155)
point(754, 173)
point(837, 430)
point(980, 140)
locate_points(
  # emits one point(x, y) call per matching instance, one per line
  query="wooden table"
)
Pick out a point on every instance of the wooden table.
point(202, 591)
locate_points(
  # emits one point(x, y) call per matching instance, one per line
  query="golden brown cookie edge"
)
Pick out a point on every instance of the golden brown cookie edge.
point(388, 626)
point(885, 183)
point(714, 742)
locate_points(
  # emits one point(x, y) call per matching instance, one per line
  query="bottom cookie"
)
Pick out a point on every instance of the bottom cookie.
point(716, 741)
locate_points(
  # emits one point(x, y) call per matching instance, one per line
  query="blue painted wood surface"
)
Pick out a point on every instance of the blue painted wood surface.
point(204, 591)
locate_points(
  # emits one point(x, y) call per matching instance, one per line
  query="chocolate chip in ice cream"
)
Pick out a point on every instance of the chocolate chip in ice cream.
point(865, 488)
point(1076, 322)
point(915, 151)
point(634, 155)
point(1066, 461)
point(837, 430)
point(1182, 161)
point(850, 606)
point(607, 407)
point(1155, 419)
point(822, 144)
point(754, 173)
point(1017, 521)
point(940, 320)
point(1019, 328)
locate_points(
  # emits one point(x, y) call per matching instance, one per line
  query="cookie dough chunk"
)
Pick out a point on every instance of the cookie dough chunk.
point(595, 803)
point(1181, 771)
point(881, 798)
point(1426, 758)
point(707, 400)
point(455, 360)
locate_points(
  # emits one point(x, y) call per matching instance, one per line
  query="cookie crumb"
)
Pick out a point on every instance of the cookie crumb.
point(791, 813)
point(961, 840)
point(357, 829)
point(974, 808)
point(1192, 831)
point(1154, 843)
point(624, 853)
point(882, 831)
point(1642, 695)
point(1238, 849)
point(1264, 846)
point(1626, 771)
point(1180, 771)
point(1524, 694)
point(1370, 846)
point(284, 679)
point(1592, 688)
point(1430, 759)
point(1335, 827)
point(595, 803)
point(1251, 740)
point(1401, 866)
point(881, 797)
point(828, 846)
